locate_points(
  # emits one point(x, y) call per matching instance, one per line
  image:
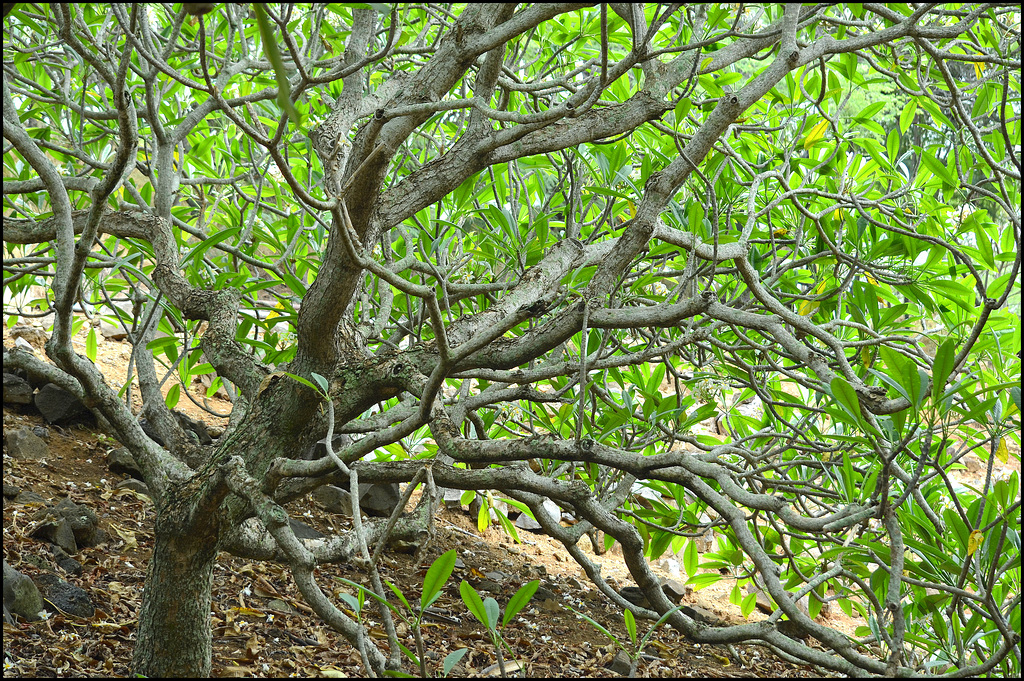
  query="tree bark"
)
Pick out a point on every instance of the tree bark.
point(174, 635)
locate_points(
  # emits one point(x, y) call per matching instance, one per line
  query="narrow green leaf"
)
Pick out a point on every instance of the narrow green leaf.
point(90, 345)
point(630, 625)
point(519, 600)
point(907, 117)
point(439, 572)
point(942, 366)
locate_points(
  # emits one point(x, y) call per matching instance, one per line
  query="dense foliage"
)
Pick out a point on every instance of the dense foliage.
point(545, 248)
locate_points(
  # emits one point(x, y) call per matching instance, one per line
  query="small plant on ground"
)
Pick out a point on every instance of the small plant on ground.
point(630, 620)
point(488, 611)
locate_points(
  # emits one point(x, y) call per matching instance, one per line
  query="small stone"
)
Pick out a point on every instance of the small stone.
point(621, 665)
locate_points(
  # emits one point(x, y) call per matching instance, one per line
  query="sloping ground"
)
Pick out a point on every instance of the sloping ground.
point(261, 625)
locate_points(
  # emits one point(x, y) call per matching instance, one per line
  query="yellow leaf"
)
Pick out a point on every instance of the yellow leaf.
point(866, 357)
point(974, 541)
point(807, 307)
point(781, 231)
point(871, 280)
point(979, 68)
point(1002, 453)
point(816, 133)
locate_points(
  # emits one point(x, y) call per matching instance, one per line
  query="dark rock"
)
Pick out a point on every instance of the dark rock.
point(304, 531)
point(66, 598)
point(16, 390)
point(187, 423)
point(700, 615)
point(29, 497)
point(792, 630)
point(83, 521)
point(11, 490)
point(21, 596)
point(66, 562)
point(42, 432)
point(121, 462)
point(25, 445)
point(490, 586)
point(379, 499)
point(59, 406)
point(54, 529)
point(190, 424)
point(544, 594)
point(30, 334)
point(634, 595)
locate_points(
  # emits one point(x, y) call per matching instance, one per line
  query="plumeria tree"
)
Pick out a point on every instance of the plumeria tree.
point(677, 268)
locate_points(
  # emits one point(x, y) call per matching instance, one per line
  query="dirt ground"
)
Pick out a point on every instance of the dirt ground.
point(261, 625)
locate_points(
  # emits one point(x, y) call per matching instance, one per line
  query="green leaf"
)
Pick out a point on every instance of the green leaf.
point(519, 600)
point(284, 90)
point(173, 395)
point(846, 396)
point(452, 659)
point(942, 367)
point(907, 116)
point(90, 345)
point(439, 572)
point(630, 625)
point(321, 381)
point(472, 600)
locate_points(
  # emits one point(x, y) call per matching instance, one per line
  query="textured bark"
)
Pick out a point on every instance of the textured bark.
point(174, 636)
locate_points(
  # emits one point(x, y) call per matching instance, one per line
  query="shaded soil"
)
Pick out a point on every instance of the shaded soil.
point(263, 628)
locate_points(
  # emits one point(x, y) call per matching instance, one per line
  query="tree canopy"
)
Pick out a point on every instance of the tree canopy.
point(746, 268)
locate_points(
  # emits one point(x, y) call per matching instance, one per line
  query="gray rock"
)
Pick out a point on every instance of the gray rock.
point(59, 406)
point(622, 664)
point(66, 562)
point(25, 445)
point(700, 615)
point(134, 485)
point(304, 531)
point(675, 590)
point(23, 344)
point(29, 497)
point(112, 331)
point(16, 390)
point(21, 596)
point(56, 530)
point(452, 498)
point(29, 334)
point(121, 462)
point(379, 499)
point(188, 424)
point(334, 499)
point(83, 521)
point(11, 490)
point(66, 598)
